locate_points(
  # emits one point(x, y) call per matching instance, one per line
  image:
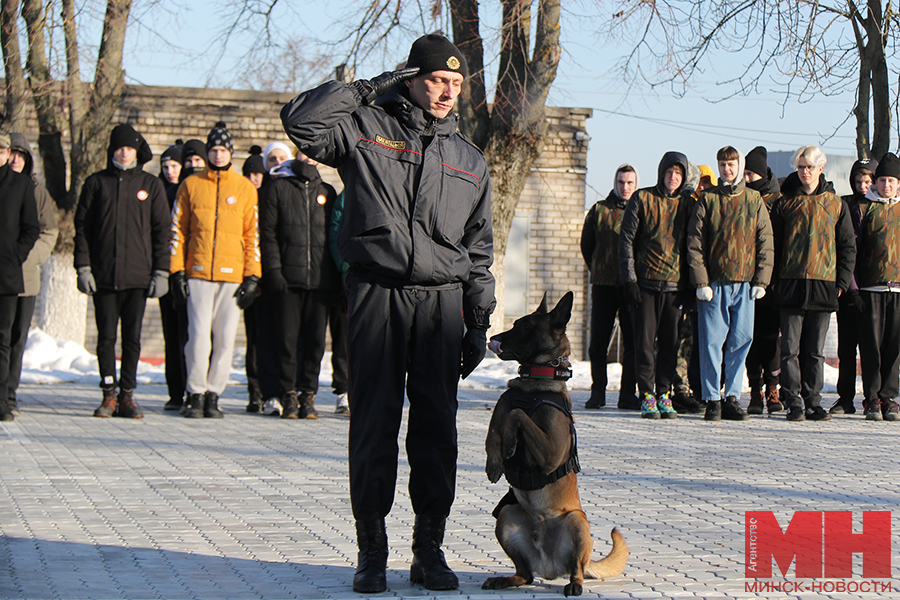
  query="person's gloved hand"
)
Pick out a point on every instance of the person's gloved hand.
point(474, 347)
point(705, 293)
point(275, 282)
point(159, 284)
point(633, 293)
point(86, 283)
point(856, 301)
point(179, 290)
point(757, 292)
point(369, 89)
point(246, 292)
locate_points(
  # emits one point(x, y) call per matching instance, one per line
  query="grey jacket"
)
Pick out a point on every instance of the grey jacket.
point(31, 269)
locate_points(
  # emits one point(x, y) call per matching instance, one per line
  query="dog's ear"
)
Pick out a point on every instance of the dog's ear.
point(562, 312)
point(542, 309)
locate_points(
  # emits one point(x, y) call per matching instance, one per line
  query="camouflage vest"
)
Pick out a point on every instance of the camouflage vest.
point(659, 243)
point(731, 223)
point(808, 248)
point(878, 260)
point(605, 259)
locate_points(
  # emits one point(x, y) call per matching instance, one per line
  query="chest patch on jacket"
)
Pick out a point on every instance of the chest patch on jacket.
point(396, 145)
point(142, 195)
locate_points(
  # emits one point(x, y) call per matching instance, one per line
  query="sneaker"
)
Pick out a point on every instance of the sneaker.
point(648, 407)
point(773, 402)
point(664, 406)
point(796, 413)
point(890, 410)
point(342, 406)
point(687, 403)
point(272, 407)
point(756, 401)
point(597, 400)
point(732, 411)
point(630, 402)
point(713, 410)
point(844, 406)
point(817, 413)
point(873, 410)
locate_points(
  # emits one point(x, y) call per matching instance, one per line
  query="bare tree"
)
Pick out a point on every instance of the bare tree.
point(806, 49)
point(297, 67)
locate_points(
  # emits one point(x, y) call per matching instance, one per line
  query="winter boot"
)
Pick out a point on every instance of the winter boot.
point(773, 402)
point(128, 408)
point(732, 411)
point(211, 406)
point(255, 404)
point(194, 406)
point(756, 401)
point(174, 404)
point(291, 405)
point(428, 565)
point(6, 413)
point(307, 406)
point(108, 406)
point(597, 400)
point(371, 570)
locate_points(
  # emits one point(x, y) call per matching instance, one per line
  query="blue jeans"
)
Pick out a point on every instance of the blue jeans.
point(726, 332)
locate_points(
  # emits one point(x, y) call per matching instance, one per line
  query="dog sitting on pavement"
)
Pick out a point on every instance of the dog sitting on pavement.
point(531, 440)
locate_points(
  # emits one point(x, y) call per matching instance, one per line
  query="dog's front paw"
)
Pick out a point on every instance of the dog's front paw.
point(510, 443)
point(494, 470)
point(572, 589)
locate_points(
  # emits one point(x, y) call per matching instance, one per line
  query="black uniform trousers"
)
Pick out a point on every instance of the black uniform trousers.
point(412, 336)
point(655, 319)
point(111, 307)
point(18, 339)
point(764, 359)
point(337, 325)
point(879, 345)
point(803, 356)
point(175, 334)
point(266, 320)
point(847, 341)
point(304, 320)
point(7, 316)
point(250, 358)
point(608, 302)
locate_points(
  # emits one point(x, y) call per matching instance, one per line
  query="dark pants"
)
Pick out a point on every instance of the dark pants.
point(847, 340)
point(764, 359)
point(879, 345)
point(18, 339)
point(250, 358)
point(267, 321)
point(402, 335)
point(175, 333)
point(803, 356)
point(8, 304)
point(110, 307)
point(337, 324)
point(304, 319)
point(607, 303)
point(655, 318)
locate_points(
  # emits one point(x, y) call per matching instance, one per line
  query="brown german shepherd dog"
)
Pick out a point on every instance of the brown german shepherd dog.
point(531, 440)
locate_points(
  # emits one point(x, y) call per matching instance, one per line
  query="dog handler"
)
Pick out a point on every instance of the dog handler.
point(416, 231)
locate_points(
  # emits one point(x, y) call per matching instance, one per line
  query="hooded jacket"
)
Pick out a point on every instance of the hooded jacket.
point(854, 197)
point(877, 224)
point(417, 209)
point(652, 239)
point(294, 227)
point(729, 236)
point(815, 250)
point(600, 235)
point(19, 228)
point(122, 224)
point(46, 207)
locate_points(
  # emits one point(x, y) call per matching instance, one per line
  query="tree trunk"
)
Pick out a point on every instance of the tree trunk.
point(14, 119)
point(881, 102)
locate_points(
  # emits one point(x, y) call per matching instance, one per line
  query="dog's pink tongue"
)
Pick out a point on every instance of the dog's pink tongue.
point(494, 347)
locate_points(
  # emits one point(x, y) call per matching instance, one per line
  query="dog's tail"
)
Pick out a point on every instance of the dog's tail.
point(613, 563)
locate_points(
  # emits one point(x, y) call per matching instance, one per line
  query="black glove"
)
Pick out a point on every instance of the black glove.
point(367, 90)
point(855, 301)
point(473, 348)
point(633, 293)
point(275, 282)
point(86, 283)
point(246, 292)
point(159, 284)
point(178, 289)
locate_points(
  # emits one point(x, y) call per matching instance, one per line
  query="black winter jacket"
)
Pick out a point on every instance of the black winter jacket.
point(294, 221)
point(122, 227)
point(19, 228)
point(417, 208)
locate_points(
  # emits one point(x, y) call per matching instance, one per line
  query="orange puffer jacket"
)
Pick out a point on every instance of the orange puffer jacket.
point(215, 233)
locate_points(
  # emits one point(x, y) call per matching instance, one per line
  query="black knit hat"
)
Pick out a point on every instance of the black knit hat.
point(193, 148)
point(220, 136)
point(173, 152)
point(254, 163)
point(434, 52)
point(888, 166)
point(756, 161)
point(122, 136)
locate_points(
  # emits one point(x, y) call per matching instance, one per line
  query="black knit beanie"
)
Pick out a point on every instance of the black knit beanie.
point(124, 135)
point(254, 163)
point(220, 136)
point(888, 166)
point(756, 161)
point(193, 148)
point(434, 52)
point(173, 152)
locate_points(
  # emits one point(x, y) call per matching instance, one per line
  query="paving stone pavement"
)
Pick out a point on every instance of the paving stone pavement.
point(257, 507)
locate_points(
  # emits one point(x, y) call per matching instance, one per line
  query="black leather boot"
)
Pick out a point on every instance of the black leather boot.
point(371, 570)
point(428, 566)
point(194, 406)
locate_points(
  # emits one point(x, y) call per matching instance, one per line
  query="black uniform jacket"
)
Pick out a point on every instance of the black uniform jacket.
point(19, 228)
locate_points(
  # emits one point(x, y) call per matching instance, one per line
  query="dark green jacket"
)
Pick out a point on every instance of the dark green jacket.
point(600, 240)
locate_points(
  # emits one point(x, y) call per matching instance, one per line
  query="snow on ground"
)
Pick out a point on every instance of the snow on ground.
point(48, 360)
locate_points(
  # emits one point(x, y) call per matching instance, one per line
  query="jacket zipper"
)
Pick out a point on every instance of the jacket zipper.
point(212, 261)
point(308, 236)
